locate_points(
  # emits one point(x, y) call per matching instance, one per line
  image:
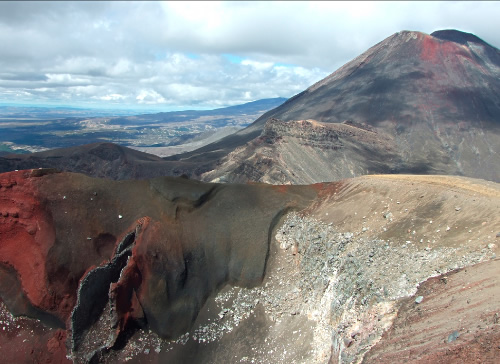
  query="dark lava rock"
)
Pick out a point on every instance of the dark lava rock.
point(456, 36)
point(157, 250)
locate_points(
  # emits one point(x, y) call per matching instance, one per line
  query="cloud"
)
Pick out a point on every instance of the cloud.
point(257, 65)
point(150, 97)
point(201, 54)
point(112, 97)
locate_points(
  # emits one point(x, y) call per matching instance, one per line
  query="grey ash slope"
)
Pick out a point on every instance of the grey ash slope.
point(432, 101)
point(401, 78)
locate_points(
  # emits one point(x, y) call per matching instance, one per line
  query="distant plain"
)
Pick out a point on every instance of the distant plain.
point(25, 129)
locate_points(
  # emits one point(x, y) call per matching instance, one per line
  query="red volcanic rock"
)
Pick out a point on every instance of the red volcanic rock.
point(56, 349)
point(27, 235)
point(124, 295)
point(130, 261)
point(23, 340)
point(436, 51)
point(455, 323)
point(151, 251)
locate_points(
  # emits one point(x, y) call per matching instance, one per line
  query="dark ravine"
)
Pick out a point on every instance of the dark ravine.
point(93, 290)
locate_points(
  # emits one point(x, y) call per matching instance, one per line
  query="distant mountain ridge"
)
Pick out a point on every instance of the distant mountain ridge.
point(104, 160)
point(51, 112)
point(253, 107)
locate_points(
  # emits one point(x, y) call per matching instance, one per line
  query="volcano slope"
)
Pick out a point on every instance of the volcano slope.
point(413, 103)
point(175, 270)
point(103, 160)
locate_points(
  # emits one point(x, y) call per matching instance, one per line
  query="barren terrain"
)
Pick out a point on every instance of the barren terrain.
point(330, 272)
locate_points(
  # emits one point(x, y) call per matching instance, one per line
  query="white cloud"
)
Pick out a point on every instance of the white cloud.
point(65, 79)
point(257, 65)
point(122, 67)
point(111, 97)
point(150, 97)
point(175, 53)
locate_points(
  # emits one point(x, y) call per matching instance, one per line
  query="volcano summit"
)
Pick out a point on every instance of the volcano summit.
point(413, 103)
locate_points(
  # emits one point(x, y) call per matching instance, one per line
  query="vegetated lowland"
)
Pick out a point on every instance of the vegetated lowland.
point(374, 240)
point(32, 129)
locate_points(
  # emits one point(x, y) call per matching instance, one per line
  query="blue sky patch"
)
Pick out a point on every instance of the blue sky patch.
point(233, 58)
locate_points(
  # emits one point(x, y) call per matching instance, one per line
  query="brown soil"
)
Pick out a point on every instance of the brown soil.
point(464, 302)
point(421, 208)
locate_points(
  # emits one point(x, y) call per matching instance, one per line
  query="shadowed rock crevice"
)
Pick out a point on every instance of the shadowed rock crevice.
point(12, 294)
point(206, 197)
point(126, 242)
point(94, 289)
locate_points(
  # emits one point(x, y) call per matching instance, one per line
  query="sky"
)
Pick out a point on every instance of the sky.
point(200, 55)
